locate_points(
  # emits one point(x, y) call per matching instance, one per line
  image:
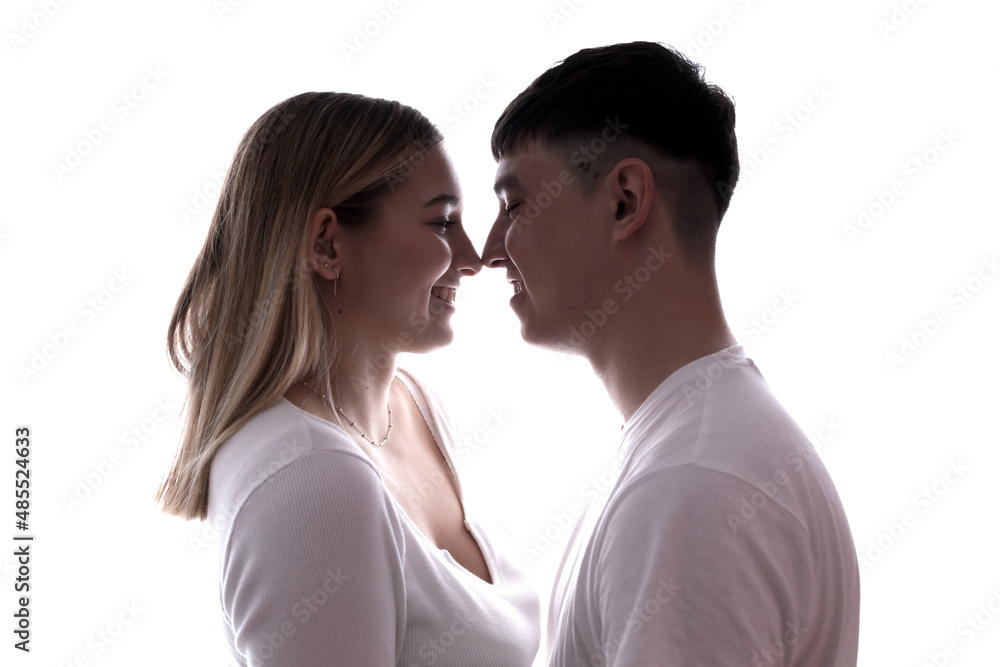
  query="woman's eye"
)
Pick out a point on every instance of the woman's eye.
point(510, 208)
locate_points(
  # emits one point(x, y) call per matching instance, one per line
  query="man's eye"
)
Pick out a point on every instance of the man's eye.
point(510, 208)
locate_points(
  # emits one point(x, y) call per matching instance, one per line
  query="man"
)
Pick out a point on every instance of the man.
point(723, 541)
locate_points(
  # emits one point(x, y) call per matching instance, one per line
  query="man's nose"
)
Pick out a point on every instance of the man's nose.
point(494, 250)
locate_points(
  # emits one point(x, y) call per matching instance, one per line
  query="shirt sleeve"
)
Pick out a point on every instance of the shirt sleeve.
point(312, 574)
point(678, 581)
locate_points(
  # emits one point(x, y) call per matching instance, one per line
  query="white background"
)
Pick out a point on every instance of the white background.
point(893, 429)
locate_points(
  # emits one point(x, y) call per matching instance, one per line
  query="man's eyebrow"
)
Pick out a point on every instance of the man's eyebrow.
point(445, 198)
point(506, 182)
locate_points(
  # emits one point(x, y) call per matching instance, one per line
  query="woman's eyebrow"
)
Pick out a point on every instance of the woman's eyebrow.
point(444, 197)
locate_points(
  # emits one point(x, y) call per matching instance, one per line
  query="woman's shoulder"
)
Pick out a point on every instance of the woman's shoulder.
point(427, 397)
point(277, 446)
point(418, 388)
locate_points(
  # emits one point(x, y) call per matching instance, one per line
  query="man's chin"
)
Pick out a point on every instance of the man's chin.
point(565, 340)
point(535, 335)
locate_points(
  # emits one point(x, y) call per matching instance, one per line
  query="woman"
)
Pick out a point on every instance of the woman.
point(337, 243)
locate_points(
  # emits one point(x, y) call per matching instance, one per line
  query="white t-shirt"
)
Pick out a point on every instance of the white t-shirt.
point(319, 565)
point(723, 541)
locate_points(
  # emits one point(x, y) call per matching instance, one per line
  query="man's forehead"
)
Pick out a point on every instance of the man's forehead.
point(514, 169)
point(506, 178)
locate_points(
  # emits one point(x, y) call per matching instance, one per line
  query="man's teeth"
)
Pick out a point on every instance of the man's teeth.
point(517, 286)
point(444, 293)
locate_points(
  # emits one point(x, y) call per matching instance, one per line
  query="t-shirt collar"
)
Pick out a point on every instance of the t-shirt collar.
point(672, 390)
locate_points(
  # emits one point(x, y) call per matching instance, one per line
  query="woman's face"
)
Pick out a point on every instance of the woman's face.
point(400, 273)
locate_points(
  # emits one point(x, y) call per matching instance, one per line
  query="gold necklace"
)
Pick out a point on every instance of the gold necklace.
point(354, 425)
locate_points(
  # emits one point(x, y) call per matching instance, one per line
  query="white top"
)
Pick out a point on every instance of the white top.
point(723, 541)
point(320, 566)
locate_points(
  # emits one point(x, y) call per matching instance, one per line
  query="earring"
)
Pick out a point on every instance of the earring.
point(335, 279)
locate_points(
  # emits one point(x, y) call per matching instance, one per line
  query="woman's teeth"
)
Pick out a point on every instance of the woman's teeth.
point(446, 294)
point(517, 286)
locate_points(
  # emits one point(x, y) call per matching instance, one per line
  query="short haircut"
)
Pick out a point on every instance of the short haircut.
point(656, 103)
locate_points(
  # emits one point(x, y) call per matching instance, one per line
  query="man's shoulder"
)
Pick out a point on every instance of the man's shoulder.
point(737, 428)
point(739, 454)
point(753, 473)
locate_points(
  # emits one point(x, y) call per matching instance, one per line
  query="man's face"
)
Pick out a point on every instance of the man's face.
point(547, 236)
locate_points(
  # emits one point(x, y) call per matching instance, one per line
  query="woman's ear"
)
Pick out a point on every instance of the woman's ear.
point(323, 257)
point(633, 188)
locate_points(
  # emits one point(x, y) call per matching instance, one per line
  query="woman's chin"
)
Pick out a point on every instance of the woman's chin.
point(436, 336)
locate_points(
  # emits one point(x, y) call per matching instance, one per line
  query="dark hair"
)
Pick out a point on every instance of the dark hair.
point(652, 96)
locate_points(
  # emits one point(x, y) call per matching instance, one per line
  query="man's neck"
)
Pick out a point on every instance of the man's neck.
point(654, 339)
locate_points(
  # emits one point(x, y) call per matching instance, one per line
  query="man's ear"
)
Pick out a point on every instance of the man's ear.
point(632, 186)
point(323, 256)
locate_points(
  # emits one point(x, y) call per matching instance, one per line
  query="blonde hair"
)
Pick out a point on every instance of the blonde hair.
point(250, 321)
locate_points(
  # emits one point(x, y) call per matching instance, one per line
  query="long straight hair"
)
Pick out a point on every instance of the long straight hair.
point(250, 321)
